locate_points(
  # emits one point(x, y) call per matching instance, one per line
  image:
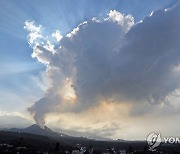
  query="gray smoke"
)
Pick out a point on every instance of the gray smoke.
point(111, 59)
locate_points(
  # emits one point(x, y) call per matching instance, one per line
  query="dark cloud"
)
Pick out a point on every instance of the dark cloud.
point(104, 60)
point(151, 53)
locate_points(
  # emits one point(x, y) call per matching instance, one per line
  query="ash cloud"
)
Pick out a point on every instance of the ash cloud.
point(109, 60)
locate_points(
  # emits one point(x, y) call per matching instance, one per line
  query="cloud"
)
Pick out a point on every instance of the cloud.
point(57, 35)
point(112, 60)
point(152, 52)
point(90, 122)
point(65, 63)
point(126, 21)
point(34, 31)
point(14, 119)
point(8, 121)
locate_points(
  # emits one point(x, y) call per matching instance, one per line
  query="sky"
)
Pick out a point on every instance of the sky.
point(91, 68)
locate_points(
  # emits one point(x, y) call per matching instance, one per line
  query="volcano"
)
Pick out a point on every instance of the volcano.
point(37, 130)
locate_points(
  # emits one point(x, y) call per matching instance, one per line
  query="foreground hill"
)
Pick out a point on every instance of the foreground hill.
point(24, 143)
point(35, 139)
point(31, 143)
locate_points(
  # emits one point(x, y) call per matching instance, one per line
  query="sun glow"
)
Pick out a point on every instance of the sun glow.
point(68, 93)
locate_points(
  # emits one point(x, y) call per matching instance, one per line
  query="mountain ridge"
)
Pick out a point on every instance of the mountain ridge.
point(37, 130)
point(46, 131)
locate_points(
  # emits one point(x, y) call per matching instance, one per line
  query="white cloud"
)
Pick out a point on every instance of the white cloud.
point(42, 47)
point(125, 21)
point(30, 26)
point(34, 31)
point(57, 35)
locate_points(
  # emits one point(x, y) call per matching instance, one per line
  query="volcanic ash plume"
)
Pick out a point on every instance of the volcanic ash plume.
point(110, 59)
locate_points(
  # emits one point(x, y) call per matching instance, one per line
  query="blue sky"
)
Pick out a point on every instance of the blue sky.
point(21, 76)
